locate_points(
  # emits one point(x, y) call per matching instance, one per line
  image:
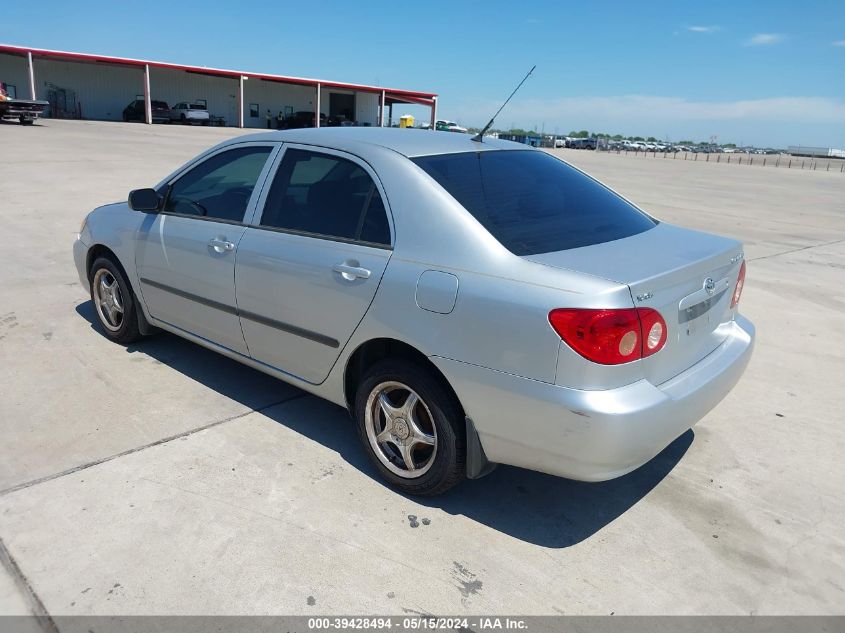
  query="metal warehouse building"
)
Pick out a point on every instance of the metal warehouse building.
point(99, 87)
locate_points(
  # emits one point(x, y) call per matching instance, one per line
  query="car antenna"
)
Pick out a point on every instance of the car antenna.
point(480, 135)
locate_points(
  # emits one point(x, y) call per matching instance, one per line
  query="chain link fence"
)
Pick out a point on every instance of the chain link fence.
point(779, 160)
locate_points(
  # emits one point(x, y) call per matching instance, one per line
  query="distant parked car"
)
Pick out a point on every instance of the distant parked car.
point(302, 119)
point(583, 143)
point(135, 111)
point(188, 113)
point(449, 126)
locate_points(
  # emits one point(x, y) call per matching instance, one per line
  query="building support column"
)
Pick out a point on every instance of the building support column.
point(390, 115)
point(382, 99)
point(148, 106)
point(241, 101)
point(317, 108)
point(434, 113)
point(31, 75)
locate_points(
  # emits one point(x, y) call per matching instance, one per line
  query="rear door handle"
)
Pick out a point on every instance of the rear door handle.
point(350, 271)
point(221, 245)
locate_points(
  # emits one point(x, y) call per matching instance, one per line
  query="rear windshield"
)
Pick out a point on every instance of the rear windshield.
point(532, 202)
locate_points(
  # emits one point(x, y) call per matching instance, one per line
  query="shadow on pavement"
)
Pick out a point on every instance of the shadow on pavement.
point(527, 505)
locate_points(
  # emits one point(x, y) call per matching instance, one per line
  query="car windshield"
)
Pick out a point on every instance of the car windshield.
point(196, 106)
point(159, 104)
point(534, 203)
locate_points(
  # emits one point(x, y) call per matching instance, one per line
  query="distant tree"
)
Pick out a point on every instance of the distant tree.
point(686, 142)
point(617, 137)
point(637, 138)
point(729, 145)
point(651, 139)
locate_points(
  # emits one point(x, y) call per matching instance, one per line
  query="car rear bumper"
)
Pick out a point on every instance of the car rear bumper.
point(593, 435)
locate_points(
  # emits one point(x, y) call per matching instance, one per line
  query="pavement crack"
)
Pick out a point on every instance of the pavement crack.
point(42, 616)
point(164, 440)
point(795, 250)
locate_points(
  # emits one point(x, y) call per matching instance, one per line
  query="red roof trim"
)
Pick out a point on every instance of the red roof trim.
point(108, 59)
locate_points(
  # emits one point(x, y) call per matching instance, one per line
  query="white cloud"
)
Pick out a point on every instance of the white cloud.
point(703, 29)
point(838, 43)
point(763, 39)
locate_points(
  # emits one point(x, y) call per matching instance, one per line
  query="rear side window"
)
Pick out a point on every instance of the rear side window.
point(328, 196)
point(532, 202)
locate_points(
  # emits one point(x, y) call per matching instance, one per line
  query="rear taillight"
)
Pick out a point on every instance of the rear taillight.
point(740, 282)
point(654, 331)
point(610, 336)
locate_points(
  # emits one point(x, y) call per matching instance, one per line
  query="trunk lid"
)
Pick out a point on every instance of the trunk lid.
point(667, 268)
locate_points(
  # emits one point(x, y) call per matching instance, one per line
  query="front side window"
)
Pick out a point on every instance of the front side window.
point(532, 202)
point(327, 196)
point(219, 187)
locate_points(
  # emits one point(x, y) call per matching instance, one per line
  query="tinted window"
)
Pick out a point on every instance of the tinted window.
point(534, 203)
point(219, 187)
point(325, 195)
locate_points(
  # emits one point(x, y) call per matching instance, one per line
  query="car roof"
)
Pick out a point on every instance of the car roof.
point(409, 143)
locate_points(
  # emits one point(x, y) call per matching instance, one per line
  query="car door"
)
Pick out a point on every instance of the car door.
point(185, 254)
point(307, 271)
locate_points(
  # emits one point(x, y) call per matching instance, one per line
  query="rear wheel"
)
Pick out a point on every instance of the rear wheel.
point(114, 302)
point(411, 427)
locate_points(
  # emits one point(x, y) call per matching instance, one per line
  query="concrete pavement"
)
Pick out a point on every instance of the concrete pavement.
point(165, 479)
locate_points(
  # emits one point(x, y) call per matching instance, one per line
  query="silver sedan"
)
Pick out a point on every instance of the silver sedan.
point(470, 303)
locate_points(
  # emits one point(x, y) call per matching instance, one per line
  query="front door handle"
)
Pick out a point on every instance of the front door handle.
point(221, 245)
point(350, 271)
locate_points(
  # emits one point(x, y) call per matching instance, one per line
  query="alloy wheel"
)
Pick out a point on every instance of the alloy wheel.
point(108, 300)
point(400, 429)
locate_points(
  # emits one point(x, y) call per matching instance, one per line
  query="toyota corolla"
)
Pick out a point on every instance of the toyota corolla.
point(470, 303)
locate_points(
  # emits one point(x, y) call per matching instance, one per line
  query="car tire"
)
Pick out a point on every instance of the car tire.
point(425, 424)
point(114, 302)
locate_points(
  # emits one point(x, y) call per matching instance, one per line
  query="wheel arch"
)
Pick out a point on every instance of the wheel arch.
point(375, 350)
point(101, 250)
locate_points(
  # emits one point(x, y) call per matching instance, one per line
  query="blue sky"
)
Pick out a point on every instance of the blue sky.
point(766, 73)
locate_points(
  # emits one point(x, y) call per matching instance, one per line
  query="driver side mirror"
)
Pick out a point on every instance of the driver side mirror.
point(146, 200)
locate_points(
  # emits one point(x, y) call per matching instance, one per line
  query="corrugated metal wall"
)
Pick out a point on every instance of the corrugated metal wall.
point(275, 97)
point(103, 90)
point(13, 71)
point(220, 93)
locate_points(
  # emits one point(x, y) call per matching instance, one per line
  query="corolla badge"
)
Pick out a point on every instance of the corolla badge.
point(710, 285)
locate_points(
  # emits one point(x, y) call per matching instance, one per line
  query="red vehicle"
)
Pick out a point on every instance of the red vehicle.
point(23, 110)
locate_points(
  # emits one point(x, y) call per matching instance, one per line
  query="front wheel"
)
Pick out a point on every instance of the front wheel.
point(114, 302)
point(411, 427)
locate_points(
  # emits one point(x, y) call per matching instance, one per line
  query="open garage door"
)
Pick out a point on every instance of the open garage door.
point(341, 107)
